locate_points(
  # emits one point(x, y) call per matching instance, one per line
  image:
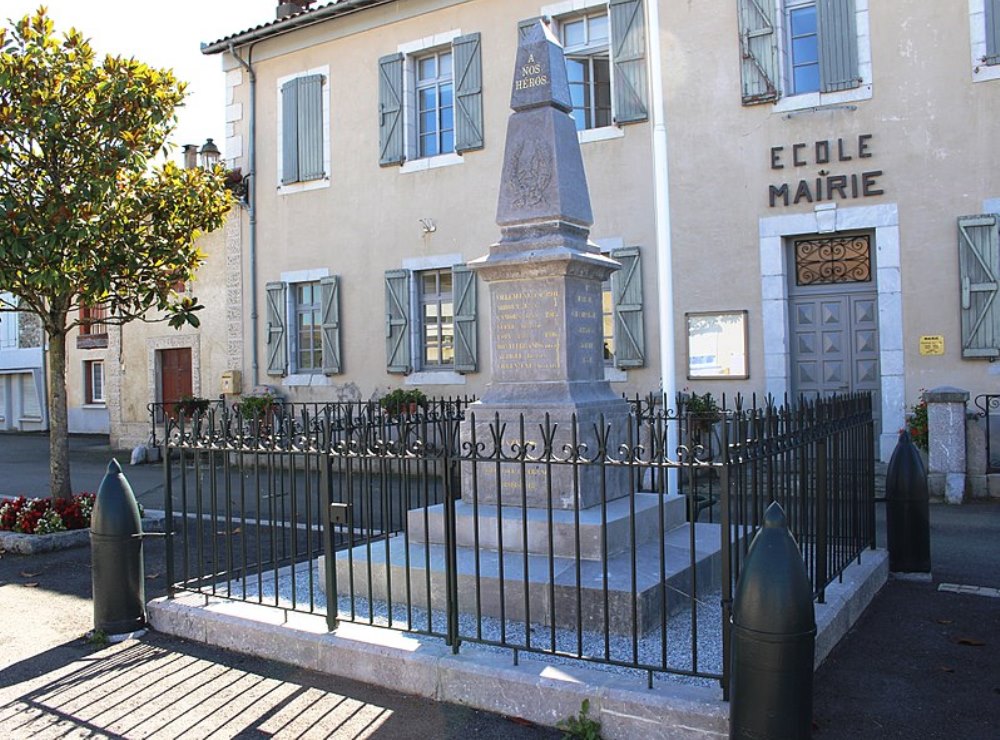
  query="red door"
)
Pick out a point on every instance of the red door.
point(175, 376)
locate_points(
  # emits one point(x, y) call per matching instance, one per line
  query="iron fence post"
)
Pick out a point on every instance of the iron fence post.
point(329, 551)
point(168, 518)
point(725, 529)
point(451, 554)
point(821, 518)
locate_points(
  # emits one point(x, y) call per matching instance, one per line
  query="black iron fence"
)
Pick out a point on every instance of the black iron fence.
point(989, 409)
point(616, 538)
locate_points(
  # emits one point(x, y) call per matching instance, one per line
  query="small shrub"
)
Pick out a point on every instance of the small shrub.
point(916, 424)
point(402, 400)
point(581, 727)
point(251, 407)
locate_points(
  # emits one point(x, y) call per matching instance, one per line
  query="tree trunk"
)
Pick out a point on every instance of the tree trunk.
point(58, 421)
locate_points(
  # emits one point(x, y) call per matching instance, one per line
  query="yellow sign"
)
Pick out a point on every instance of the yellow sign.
point(932, 344)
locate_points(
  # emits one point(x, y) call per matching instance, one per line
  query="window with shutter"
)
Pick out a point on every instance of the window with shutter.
point(979, 274)
point(468, 92)
point(628, 40)
point(626, 290)
point(330, 325)
point(304, 145)
point(397, 321)
point(390, 109)
point(758, 51)
point(466, 344)
point(812, 46)
point(275, 337)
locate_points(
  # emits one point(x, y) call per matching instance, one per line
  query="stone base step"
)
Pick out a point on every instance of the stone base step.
point(563, 591)
point(515, 524)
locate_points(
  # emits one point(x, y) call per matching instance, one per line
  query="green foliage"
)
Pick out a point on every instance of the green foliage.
point(191, 405)
point(916, 424)
point(254, 407)
point(581, 727)
point(98, 638)
point(401, 400)
point(86, 218)
point(699, 405)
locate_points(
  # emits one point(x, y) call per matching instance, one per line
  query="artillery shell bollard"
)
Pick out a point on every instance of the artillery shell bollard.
point(773, 638)
point(116, 556)
point(907, 514)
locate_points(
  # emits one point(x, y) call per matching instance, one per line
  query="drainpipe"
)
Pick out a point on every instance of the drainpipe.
point(251, 209)
point(661, 200)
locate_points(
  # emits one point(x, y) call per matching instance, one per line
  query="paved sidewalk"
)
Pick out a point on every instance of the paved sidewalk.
point(924, 659)
point(53, 683)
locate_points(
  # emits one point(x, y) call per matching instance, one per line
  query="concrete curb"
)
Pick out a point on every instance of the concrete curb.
point(33, 544)
point(541, 692)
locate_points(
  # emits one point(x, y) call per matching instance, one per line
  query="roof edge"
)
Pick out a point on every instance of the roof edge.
point(288, 24)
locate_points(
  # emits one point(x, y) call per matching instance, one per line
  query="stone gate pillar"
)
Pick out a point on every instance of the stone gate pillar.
point(946, 442)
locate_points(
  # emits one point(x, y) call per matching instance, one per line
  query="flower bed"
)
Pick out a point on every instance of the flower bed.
point(45, 516)
point(33, 525)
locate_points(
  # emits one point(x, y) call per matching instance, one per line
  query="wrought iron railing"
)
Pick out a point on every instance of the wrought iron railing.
point(989, 409)
point(617, 540)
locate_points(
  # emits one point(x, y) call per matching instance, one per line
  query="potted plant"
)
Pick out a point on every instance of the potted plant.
point(258, 408)
point(701, 411)
point(191, 405)
point(403, 401)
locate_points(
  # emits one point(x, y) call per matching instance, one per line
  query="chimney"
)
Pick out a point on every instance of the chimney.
point(190, 156)
point(289, 7)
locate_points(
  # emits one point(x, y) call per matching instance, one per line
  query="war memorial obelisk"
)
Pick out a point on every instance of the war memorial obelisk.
point(544, 278)
point(544, 531)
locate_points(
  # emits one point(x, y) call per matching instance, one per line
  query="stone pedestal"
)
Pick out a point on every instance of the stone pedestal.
point(946, 411)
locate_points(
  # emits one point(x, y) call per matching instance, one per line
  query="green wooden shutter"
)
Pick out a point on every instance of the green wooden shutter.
point(277, 346)
point(468, 66)
point(397, 321)
point(310, 127)
point(390, 109)
point(979, 266)
point(463, 282)
point(329, 290)
point(838, 45)
point(992, 32)
point(628, 44)
point(626, 294)
point(290, 131)
point(758, 51)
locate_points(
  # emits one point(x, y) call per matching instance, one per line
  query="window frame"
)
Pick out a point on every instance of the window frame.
point(8, 323)
point(439, 298)
point(296, 310)
point(789, 8)
point(91, 370)
point(589, 52)
point(439, 83)
point(287, 284)
point(315, 183)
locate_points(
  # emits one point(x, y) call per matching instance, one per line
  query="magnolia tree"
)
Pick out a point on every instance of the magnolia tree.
point(86, 219)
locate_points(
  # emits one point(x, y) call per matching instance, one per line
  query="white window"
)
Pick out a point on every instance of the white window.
point(435, 104)
point(802, 43)
point(437, 319)
point(585, 40)
point(804, 53)
point(93, 372)
point(303, 130)
point(8, 322)
point(306, 338)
